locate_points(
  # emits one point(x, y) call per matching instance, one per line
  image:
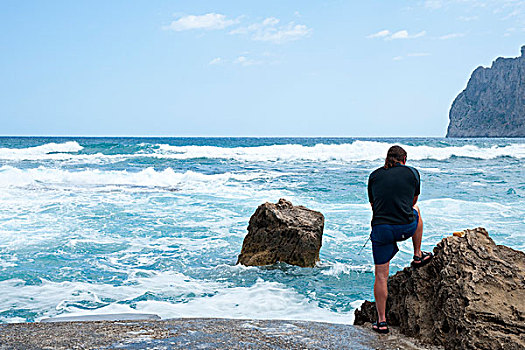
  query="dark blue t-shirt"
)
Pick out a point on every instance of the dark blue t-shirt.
point(391, 192)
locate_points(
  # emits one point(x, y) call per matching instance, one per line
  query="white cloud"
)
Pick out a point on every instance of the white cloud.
point(514, 13)
point(209, 21)
point(451, 36)
point(398, 58)
point(434, 4)
point(380, 34)
point(401, 34)
point(269, 30)
point(245, 61)
point(288, 33)
point(513, 30)
point(216, 60)
point(270, 21)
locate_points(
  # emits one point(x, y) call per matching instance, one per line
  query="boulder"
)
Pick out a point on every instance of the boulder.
point(470, 296)
point(283, 232)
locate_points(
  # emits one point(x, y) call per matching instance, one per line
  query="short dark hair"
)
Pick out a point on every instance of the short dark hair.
point(396, 154)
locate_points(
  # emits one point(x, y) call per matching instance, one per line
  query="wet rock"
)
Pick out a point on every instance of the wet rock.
point(493, 103)
point(283, 232)
point(203, 333)
point(471, 296)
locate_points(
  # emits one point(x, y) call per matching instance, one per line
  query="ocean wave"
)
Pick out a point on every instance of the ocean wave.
point(149, 177)
point(47, 151)
point(351, 152)
point(347, 152)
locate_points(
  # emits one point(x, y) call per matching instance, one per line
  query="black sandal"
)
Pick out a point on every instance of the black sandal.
point(423, 260)
point(376, 327)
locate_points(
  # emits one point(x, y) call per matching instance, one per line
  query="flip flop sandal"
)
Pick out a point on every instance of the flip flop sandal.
point(423, 260)
point(376, 327)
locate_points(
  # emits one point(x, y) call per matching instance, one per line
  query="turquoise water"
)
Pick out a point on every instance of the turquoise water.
point(104, 225)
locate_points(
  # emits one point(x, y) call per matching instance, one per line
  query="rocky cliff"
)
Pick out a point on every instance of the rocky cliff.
point(493, 103)
point(470, 296)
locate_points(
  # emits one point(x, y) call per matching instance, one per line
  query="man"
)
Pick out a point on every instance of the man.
point(393, 191)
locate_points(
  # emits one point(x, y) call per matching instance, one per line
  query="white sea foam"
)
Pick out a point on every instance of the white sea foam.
point(262, 300)
point(442, 216)
point(356, 151)
point(149, 177)
point(337, 269)
point(347, 152)
point(62, 296)
point(429, 170)
point(462, 207)
point(47, 151)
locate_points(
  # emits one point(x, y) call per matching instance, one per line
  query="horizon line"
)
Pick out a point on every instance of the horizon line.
point(220, 136)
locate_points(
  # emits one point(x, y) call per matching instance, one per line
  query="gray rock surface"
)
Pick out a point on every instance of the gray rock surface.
point(199, 334)
point(103, 317)
point(283, 232)
point(471, 296)
point(493, 103)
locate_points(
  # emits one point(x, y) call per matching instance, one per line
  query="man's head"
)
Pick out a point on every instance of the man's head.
point(396, 154)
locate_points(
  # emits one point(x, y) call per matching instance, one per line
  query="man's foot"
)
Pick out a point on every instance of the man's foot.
point(380, 327)
point(422, 260)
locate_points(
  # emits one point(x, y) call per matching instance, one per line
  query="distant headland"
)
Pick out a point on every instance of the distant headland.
point(493, 103)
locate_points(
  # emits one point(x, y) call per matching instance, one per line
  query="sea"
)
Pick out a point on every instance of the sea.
point(154, 225)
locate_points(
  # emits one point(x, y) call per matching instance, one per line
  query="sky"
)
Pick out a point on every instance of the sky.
point(245, 68)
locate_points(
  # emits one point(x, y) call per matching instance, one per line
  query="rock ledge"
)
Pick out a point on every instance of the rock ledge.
point(471, 296)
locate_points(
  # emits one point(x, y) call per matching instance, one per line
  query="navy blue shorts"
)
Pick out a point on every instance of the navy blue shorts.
point(384, 238)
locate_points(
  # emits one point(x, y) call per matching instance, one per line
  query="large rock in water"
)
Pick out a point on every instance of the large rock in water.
point(283, 232)
point(471, 296)
point(493, 103)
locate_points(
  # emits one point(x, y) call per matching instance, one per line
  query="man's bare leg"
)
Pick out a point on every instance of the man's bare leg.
point(381, 291)
point(418, 236)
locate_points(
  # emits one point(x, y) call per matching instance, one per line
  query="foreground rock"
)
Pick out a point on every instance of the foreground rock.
point(199, 334)
point(493, 103)
point(471, 296)
point(283, 232)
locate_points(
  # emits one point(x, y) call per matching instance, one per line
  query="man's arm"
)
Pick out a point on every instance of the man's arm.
point(417, 179)
point(370, 195)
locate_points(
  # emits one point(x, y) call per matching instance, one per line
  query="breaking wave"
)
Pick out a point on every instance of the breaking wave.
point(346, 152)
point(149, 177)
point(351, 152)
point(46, 151)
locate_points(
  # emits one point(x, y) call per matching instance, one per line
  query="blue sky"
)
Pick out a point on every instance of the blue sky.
point(245, 68)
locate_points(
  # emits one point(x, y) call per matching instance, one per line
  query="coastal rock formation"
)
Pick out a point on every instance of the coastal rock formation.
point(283, 232)
point(471, 296)
point(199, 333)
point(493, 103)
